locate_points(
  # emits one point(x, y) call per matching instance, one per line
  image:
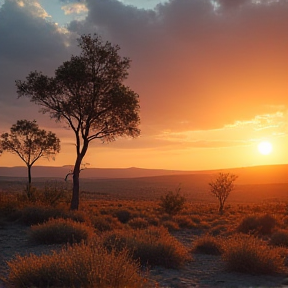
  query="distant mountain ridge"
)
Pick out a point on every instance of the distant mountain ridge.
point(247, 175)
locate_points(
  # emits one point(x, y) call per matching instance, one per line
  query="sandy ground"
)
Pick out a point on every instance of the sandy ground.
point(203, 271)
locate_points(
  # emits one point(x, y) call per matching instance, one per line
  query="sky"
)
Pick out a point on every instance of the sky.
point(212, 77)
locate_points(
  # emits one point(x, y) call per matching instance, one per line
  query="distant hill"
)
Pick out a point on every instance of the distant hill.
point(247, 175)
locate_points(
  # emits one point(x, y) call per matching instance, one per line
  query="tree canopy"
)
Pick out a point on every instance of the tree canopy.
point(88, 94)
point(221, 187)
point(30, 143)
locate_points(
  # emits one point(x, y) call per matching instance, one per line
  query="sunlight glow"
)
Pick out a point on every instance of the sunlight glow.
point(265, 147)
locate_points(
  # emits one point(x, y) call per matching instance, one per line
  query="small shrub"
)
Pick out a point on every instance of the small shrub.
point(138, 223)
point(279, 238)
point(123, 216)
point(152, 246)
point(101, 224)
point(249, 224)
point(78, 266)
point(31, 215)
point(171, 225)
point(58, 231)
point(38, 214)
point(247, 254)
point(207, 244)
point(184, 221)
point(261, 224)
point(172, 203)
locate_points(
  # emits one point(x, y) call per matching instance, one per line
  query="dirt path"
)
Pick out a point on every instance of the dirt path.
point(203, 271)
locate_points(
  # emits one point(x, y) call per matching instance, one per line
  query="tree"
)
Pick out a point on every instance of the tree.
point(221, 187)
point(30, 143)
point(172, 203)
point(88, 94)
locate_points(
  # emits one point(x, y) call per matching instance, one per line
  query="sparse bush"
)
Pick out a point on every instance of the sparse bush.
point(279, 238)
point(208, 244)
point(37, 214)
point(172, 203)
point(101, 224)
point(171, 225)
point(247, 254)
point(123, 216)
point(53, 193)
point(31, 215)
point(184, 221)
point(152, 246)
point(78, 266)
point(253, 224)
point(58, 231)
point(138, 223)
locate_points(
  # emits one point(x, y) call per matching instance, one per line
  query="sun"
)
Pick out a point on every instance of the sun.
point(265, 147)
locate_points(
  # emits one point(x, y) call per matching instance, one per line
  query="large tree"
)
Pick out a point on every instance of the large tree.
point(87, 92)
point(30, 143)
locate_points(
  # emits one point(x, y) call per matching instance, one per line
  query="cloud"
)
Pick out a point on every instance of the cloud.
point(72, 8)
point(196, 65)
point(205, 70)
point(29, 42)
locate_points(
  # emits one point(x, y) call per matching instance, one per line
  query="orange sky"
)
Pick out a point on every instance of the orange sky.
point(212, 79)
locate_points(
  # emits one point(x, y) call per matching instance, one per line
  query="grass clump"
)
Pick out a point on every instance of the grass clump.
point(37, 214)
point(279, 238)
point(208, 244)
point(258, 224)
point(247, 254)
point(138, 223)
point(77, 266)
point(152, 246)
point(58, 231)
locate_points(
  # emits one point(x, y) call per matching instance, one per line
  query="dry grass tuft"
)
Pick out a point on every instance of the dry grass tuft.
point(251, 255)
point(152, 246)
point(78, 266)
point(138, 223)
point(258, 224)
point(279, 238)
point(208, 244)
point(58, 231)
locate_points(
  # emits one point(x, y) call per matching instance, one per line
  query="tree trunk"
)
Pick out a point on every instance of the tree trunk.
point(29, 182)
point(221, 207)
point(75, 194)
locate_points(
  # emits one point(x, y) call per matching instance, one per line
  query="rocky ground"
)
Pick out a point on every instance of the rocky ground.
point(203, 271)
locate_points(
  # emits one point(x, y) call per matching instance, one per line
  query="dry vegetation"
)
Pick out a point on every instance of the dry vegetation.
point(111, 242)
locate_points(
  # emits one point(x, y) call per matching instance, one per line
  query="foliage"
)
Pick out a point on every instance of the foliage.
point(77, 266)
point(30, 143)
point(58, 231)
point(221, 187)
point(123, 215)
point(37, 214)
point(138, 223)
point(152, 246)
point(88, 94)
point(258, 224)
point(279, 238)
point(208, 244)
point(172, 203)
point(247, 254)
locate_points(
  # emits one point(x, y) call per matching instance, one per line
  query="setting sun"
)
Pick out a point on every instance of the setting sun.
point(265, 147)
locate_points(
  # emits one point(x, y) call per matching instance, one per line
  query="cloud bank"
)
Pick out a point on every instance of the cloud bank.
point(198, 65)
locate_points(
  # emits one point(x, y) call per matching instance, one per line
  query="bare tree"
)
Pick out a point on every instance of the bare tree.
point(221, 187)
point(30, 143)
point(87, 93)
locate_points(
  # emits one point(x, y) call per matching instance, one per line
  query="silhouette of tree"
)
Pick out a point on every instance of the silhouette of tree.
point(87, 92)
point(221, 187)
point(30, 143)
